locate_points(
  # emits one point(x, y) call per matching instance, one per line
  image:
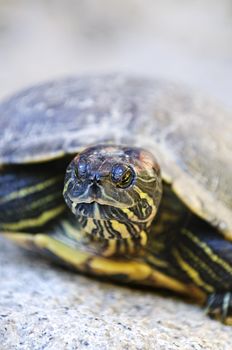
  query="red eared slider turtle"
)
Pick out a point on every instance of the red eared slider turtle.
point(102, 142)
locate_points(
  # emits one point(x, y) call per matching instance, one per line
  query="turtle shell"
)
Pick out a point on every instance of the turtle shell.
point(189, 135)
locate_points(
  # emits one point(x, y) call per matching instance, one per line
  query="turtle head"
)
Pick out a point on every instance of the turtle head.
point(117, 187)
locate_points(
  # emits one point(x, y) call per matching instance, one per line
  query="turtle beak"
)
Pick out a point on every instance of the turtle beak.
point(94, 191)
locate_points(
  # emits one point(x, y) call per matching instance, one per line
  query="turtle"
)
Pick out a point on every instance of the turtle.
point(124, 178)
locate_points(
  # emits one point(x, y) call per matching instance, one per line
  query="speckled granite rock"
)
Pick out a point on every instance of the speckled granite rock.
point(45, 307)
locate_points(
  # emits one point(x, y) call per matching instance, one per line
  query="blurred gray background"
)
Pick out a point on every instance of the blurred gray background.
point(185, 40)
point(188, 41)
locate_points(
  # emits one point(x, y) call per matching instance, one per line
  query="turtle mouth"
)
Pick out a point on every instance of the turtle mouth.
point(95, 204)
point(95, 210)
point(96, 195)
point(94, 200)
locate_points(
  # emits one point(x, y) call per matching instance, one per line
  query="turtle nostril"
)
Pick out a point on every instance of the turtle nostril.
point(94, 189)
point(94, 178)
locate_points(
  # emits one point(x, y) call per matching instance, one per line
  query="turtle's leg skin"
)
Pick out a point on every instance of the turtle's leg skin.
point(206, 258)
point(63, 242)
point(30, 196)
point(79, 258)
point(219, 307)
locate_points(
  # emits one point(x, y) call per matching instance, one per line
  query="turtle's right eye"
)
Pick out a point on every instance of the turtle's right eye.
point(81, 168)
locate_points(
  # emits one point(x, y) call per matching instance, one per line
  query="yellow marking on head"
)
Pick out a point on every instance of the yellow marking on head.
point(66, 185)
point(144, 195)
point(31, 189)
point(34, 222)
point(143, 238)
point(73, 207)
point(130, 215)
point(192, 273)
point(215, 258)
point(149, 200)
point(134, 218)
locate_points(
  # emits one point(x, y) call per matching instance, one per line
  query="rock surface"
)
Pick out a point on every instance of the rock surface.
point(45, 307)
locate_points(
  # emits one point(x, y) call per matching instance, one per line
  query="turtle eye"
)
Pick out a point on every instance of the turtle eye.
point(122, 175)
point(126, 179)
point(81, 168)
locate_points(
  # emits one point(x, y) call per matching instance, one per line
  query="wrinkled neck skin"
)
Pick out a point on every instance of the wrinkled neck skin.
point(114, 237)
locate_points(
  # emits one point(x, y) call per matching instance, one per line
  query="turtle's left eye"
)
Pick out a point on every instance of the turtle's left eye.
point(122, 175)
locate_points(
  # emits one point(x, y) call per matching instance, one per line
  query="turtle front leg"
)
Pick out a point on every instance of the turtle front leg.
point(205, 256)
point(64, 243)
point(219, 307)
point(82, 258)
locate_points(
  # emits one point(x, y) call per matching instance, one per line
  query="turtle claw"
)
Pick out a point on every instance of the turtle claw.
point(219, 307)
